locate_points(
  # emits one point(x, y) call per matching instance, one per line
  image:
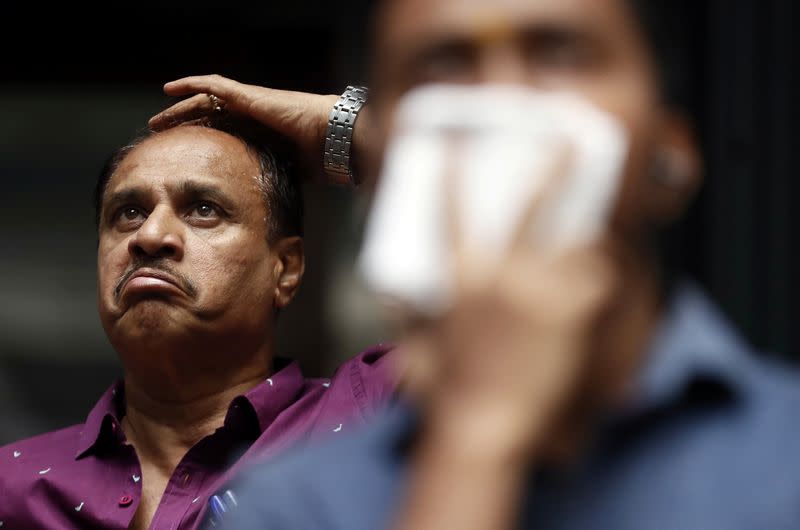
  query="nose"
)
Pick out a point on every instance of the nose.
point(160, 236)
point(503, 62)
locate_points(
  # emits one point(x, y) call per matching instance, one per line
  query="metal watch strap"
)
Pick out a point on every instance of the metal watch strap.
point(339, 137)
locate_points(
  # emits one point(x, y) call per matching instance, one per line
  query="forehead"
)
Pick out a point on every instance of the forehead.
point(188, 153)
point(404, 19)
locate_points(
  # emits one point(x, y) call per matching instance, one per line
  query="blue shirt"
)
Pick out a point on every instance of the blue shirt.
point(711, 443)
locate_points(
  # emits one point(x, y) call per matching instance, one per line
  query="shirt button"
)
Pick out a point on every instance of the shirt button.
point(125, 500)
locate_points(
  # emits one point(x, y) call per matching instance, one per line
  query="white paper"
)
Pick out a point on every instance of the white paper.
point(509, 138)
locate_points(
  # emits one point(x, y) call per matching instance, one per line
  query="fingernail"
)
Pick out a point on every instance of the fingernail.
point(231, 498)
point(217, 506)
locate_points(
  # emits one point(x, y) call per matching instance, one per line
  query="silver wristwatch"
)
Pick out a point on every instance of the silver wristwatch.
point(339, 138)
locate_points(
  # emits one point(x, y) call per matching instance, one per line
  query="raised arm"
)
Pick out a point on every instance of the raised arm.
point(299, 116)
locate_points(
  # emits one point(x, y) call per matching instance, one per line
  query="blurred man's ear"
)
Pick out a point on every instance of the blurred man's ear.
point(676, 170)
point(289, 269)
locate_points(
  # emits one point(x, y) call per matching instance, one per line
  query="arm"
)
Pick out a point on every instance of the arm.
point(497, 376)
point(300, 116)
point(458, 482)
point(510, 359)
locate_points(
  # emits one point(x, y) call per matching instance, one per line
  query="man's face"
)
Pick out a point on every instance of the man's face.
point(592, 47)
point(183, 259)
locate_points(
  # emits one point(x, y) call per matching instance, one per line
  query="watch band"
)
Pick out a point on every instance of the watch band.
point(339, 137)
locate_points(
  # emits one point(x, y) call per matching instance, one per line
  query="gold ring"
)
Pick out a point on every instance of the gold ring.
point(216, 103)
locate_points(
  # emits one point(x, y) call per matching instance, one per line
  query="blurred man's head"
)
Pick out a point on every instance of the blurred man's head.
point(609, 51)
point(199, 247)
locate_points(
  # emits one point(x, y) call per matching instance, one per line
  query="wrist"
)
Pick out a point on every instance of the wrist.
point(486, 433)
point(339, 135)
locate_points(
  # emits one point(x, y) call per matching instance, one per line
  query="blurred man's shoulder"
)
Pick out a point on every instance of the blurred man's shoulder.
point(346, 482)
point(773, 391)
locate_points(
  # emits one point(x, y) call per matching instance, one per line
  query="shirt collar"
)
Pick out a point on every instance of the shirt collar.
point(103, 418)
point(693, 342)
point(264, 402)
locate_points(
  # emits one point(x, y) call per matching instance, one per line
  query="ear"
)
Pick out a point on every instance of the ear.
point(676, 170)
point(290, 265)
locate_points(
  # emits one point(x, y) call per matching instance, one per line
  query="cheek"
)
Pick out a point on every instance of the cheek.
point(228, 272)
point(632, 207)
point(112, 262)
point(632, 100)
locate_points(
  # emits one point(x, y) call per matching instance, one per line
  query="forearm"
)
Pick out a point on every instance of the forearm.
point(463, 479)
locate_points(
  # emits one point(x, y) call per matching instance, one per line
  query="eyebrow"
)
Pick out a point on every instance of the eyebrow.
point(194, 191)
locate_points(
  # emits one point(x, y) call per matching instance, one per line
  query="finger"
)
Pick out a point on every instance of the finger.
point(237, 96)
point(209, 84)
point(418, 367)
point(451, 203)
point(188, 109)
point(553, 178)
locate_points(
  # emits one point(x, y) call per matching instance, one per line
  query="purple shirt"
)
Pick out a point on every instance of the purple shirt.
point(87, 476)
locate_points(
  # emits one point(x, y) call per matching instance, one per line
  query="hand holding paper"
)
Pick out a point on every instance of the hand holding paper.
point(489, 150)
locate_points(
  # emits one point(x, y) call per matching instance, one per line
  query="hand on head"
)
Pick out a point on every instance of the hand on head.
point(300, 117)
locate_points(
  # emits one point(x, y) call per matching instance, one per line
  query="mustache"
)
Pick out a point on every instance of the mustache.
point(184, 283)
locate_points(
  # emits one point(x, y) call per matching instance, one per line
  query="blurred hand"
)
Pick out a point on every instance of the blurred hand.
point(299, 116)
point(495, 371)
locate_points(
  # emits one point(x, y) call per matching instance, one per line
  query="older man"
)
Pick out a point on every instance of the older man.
point(585, 390)
point(200, 247)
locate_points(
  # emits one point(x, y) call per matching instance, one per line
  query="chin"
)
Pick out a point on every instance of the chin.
point(147, 333)
point(149, 317)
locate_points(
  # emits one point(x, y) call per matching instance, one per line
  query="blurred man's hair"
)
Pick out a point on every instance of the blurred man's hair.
point(668, 27)
point(281, 188)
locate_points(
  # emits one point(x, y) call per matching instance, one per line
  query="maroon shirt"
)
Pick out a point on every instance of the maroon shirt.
point(87, 476)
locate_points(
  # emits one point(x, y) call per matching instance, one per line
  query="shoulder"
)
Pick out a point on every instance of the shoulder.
point(771, 399)
point(709, 452)
point(24, 462)
point(369, 378)
point(346, 482)
point(60, 442)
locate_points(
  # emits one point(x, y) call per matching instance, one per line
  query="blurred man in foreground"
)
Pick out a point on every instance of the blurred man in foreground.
point(580, 390)
point(200, 246)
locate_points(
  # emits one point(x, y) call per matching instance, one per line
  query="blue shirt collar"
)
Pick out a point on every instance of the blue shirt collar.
point(693, 342)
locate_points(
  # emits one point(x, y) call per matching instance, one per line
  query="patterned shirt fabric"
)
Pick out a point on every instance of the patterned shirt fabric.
point(710, 443)
point(87, 476)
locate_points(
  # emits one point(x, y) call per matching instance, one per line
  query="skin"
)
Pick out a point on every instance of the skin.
point(185, 206)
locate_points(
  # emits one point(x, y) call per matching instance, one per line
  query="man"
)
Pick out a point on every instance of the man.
point(200, 247)
point(584, 390)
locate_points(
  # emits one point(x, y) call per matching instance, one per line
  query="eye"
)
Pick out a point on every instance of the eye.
point(205, 209)
point(129, 217)
point(562, 50)
point(205, 212)
point(447, 62)
point(130, 214)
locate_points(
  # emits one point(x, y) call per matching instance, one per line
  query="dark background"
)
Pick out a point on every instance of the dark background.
point(74, 85)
